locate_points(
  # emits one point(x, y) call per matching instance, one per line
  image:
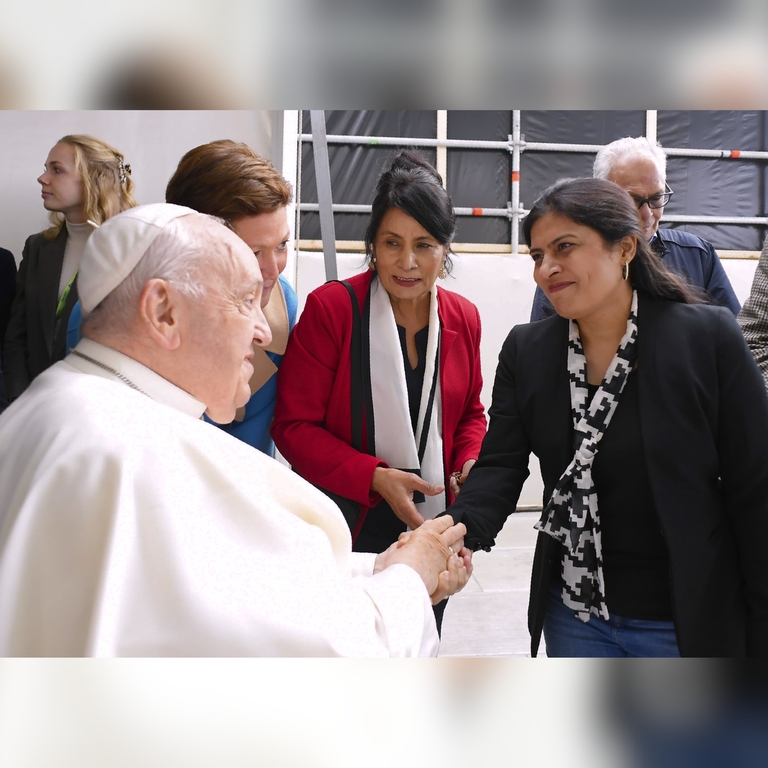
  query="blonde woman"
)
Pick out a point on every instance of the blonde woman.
point(85, 180)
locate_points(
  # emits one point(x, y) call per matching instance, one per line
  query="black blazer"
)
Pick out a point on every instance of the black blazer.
point(704, 429)
point(34, 340)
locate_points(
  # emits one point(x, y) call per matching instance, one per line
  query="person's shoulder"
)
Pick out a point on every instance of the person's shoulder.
point(333, 293)
point(456, 303)
point(288, 290)
point(7, 262)
point(539, 329)
point(38, 241)
point(697, 316)
point(684, 239)
point(291, 299)
point(538, 335)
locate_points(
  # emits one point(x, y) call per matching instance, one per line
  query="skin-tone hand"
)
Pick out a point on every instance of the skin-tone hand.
point(427, 550)
point(456, 487)
point(455, 577)
point(396, 488)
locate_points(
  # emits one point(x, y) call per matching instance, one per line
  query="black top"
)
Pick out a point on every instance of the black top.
point(7, 289)
point(635, 558)
point(414, 377)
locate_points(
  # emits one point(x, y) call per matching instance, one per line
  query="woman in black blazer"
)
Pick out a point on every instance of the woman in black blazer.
point(636, 397)
point(85, 180)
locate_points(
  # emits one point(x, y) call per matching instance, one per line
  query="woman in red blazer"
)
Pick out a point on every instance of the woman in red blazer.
point(422, 352)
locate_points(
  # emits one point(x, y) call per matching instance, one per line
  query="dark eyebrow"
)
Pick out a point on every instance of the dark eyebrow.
point(420, 237)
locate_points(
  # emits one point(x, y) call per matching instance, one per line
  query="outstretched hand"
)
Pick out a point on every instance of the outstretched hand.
point(396, 488)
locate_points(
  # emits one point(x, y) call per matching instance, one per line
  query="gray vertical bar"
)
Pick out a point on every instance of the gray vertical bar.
point(324, 199)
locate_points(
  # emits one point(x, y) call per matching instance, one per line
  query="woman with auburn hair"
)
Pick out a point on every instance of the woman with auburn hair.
point(86, 181)
point(649, 417)
point(230, 180)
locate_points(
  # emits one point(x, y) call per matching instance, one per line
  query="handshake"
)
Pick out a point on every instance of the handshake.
point(436, 551)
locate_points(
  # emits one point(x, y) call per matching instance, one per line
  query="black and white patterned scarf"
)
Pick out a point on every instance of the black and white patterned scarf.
point(571, 516)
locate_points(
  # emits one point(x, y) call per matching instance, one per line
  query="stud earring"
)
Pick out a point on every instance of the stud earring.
point(625, 270)
point(442, 274)
point(372, 264)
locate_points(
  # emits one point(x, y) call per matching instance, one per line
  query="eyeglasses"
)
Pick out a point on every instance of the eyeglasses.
point(654, 201)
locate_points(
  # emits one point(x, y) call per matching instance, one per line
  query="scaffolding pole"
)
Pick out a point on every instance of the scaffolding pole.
point(516, 145)
point(515, 207)
point(530, 146)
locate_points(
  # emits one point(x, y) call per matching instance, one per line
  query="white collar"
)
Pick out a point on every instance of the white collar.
point(159, 389)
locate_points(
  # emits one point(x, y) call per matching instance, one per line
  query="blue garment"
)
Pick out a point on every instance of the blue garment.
point(687, 255)
point(254, 428)
point(568, 636)
point(73, 327)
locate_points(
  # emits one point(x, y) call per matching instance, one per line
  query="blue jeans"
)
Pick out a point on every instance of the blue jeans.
point(566, 635)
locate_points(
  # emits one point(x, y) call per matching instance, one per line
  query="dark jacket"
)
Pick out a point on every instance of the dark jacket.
point(685, 254)
point(704, 427)
point(34, 339)
point(7, 290)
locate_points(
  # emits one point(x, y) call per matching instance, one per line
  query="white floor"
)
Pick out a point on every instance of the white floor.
point(489, 616)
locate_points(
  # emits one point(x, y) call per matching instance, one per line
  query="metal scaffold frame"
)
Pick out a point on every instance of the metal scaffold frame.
point(516, 145)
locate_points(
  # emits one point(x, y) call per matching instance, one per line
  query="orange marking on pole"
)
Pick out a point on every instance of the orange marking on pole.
point(477, 211)
point(735, 153)
point(515, 175)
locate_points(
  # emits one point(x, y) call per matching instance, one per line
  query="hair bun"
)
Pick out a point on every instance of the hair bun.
point(410, 160)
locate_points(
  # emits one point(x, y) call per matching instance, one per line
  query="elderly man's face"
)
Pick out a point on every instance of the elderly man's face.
point(223, 327)
point(641, 178)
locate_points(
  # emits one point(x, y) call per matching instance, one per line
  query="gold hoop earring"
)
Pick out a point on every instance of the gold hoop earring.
point(625, 270)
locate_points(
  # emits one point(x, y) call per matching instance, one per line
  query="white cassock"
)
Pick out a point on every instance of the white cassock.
point(130, 527)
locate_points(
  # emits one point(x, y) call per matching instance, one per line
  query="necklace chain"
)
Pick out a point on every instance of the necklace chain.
point(111, 370)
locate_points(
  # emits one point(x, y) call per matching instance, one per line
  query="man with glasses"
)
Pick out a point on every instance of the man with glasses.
point(640, 167)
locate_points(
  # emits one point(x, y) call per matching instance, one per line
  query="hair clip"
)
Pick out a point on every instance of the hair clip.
point(125, 169)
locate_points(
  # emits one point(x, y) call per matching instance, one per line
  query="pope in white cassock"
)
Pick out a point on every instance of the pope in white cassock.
point(131, 527)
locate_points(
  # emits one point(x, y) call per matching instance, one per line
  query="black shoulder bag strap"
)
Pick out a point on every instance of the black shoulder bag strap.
point(356, 384)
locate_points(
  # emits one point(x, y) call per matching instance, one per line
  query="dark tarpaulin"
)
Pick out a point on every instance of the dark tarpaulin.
point(354, 167)
point(540, 169)
point(715, 187)
point(481, 178)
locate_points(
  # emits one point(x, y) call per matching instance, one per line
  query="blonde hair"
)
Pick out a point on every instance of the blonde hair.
point(107, 185)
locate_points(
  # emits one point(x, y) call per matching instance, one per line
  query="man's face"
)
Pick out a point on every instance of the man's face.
point(223, 326)
point(641, 178)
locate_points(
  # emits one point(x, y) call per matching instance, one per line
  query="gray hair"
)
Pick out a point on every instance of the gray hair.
point(181, 255)
point(628, 147)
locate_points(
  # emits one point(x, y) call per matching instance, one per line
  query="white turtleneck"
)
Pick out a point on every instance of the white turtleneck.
point(77, 237)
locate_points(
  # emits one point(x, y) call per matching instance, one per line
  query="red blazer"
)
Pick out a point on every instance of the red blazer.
point(312, 427)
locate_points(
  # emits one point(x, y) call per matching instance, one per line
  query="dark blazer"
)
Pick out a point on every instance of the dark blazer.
point(7, 289)
point(34, 340)
point(704, 430)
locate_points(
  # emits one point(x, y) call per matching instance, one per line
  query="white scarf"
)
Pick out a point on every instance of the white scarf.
point(395, 442)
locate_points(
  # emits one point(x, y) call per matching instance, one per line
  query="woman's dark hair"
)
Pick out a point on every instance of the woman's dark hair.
point(410, 183)
point(606, 208)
